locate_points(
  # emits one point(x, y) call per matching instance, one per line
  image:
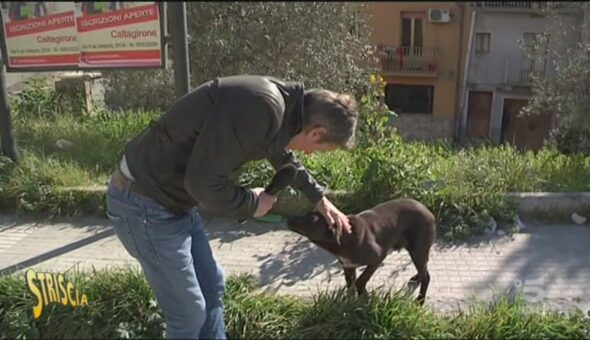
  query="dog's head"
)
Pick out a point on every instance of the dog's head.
point(314, 226)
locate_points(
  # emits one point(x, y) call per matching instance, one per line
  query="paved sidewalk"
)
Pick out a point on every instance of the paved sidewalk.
point(551, 263)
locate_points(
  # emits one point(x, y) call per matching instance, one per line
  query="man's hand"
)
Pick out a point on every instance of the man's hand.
point(265, 202)
point(333, 215)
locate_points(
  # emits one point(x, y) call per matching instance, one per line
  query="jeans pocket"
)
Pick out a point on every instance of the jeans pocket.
point(156, 215)
point(124, 233)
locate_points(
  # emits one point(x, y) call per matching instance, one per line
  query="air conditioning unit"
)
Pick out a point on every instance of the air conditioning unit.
point(439, 15)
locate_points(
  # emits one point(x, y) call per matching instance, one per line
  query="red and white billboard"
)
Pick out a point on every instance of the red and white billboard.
point(89, 34)
point(128, 35)
point(40, 34)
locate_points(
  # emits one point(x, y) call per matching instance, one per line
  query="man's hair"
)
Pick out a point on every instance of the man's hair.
point(333, 111)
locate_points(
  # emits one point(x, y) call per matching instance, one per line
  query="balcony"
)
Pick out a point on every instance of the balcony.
point(521, 75)
point(521, 6)
point(408, 61)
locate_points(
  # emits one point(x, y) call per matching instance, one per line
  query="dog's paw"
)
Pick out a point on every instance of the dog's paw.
point(419, 301)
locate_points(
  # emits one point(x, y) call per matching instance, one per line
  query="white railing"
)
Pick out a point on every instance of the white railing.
point(518, 75)
point(527, 5)
point(407, 59)
point(507, 4)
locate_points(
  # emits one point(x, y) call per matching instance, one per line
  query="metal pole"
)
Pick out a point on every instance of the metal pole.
point(8, 141)
point(464, 97)
point(178, 29)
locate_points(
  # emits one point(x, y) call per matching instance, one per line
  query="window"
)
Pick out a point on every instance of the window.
point(413, 29)
point(409, 98)
point(482, 42)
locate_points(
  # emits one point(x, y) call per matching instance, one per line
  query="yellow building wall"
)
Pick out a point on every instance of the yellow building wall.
point(385, 23)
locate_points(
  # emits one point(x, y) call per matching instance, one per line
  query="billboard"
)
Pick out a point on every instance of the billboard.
point(46, 35)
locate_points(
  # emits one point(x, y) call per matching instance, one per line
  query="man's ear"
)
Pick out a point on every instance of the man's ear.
point(317, 133)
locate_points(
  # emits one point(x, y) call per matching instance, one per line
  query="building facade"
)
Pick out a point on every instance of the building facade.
point(500, 78)
point(421, 48)
point(461, 69)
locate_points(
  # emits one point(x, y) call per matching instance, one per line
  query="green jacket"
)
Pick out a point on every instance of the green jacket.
point(187, 156)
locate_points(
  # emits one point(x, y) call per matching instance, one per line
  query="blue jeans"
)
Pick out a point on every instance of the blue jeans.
point(174, 253)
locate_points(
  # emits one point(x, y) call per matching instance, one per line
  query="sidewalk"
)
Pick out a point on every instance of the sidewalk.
point(551, 263)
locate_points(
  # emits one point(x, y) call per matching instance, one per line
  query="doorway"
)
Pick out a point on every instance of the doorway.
point(479, 111)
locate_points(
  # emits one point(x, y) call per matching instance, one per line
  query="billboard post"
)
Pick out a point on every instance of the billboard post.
point(8, 141)
point(180, 48)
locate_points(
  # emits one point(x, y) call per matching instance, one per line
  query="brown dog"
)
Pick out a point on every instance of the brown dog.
point(396, 224)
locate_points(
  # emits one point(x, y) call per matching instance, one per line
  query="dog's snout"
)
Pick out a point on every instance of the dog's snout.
point(289, 220)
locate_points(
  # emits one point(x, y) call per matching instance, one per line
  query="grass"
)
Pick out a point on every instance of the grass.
point(121, 305)
point(464, 187)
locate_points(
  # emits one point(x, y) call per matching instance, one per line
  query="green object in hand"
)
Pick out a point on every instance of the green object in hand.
point(270, 219)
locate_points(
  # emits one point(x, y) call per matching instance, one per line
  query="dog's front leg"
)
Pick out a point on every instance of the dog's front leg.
point(361, 283)
point(349, 276)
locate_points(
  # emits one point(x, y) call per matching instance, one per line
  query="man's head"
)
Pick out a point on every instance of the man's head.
point(329, 122)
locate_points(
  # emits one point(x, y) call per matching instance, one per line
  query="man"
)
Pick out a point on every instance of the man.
point(185, 159)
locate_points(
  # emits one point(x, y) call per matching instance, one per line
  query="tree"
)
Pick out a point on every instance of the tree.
point(566, 91)
point(323, 44)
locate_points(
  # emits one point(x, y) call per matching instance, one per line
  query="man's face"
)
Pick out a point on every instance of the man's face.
point(310, 141)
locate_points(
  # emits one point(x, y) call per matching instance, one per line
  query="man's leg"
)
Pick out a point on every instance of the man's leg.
point(211, 279)
point(161, 241)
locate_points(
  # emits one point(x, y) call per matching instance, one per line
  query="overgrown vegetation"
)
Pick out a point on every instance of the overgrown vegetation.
point(121, 305)
point(463, 187)
point(565, 89)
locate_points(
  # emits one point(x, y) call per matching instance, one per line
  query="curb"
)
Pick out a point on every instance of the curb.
point(551, 206)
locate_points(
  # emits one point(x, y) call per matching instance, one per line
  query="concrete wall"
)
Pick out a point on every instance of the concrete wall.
point(445, 38)
point(423, 127)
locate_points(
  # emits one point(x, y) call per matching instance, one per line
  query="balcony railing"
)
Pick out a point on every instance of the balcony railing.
point(521, 78)
point(520, 5)
point(518, 75)
point(408, 60)
point(506, 4)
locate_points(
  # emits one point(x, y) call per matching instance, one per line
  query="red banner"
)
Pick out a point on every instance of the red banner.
point(64, 59)
point(121, 56)
point(128, 16)
point(39, 25)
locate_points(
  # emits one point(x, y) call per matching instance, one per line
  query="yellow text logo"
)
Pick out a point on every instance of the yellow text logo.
point(52, 288)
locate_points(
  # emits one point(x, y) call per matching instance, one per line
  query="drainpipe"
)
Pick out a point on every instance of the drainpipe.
point(463, 111)
point(458, 81)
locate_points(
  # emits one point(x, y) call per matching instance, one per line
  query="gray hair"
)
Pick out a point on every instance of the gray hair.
point(336, 112)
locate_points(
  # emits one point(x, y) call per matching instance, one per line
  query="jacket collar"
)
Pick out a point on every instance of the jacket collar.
point(292, 122)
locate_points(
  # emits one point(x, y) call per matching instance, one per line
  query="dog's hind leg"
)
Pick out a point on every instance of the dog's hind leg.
point(420, 259)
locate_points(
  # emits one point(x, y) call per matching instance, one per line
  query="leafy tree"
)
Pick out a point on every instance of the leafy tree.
point(323, 44)
point(566, 91)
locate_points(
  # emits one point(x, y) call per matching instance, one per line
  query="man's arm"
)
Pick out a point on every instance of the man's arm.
point(315, 193)
point(222, 146)
point(208, 173)
point(304, 181)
